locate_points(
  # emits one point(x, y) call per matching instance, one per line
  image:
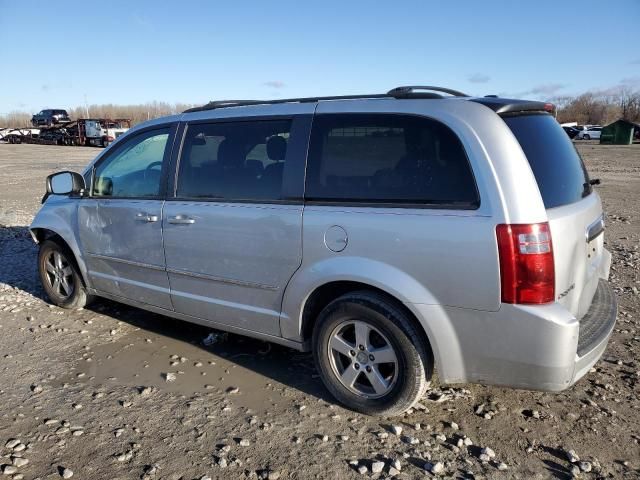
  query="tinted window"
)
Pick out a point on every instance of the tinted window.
point(388, 158)
point(134, 169)
point(234, 161)
point(559, 171)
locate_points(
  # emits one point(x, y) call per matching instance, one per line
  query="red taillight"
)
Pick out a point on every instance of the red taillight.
point(110, 138)
point(526, 263)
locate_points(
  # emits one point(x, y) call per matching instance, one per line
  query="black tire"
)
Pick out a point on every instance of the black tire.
point(69, 293)
point(414, 366)
point(586, 137)
point(105, 143)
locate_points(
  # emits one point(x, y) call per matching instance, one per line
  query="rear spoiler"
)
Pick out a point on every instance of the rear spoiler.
point(509, 106)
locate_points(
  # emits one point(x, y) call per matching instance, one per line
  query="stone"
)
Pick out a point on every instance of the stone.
point(66, 473)
point(396, 430)
point(585, 466)
point(36, 388)
point(377, 467)
point(169, 377)
point(243, 442)
point(9, 469)
point(489, 452)
point(12, 443)
point(362, 469)
point(411, 440)
point(19, 461)
point(435, 468)
point(572, 456)
point(503, 466)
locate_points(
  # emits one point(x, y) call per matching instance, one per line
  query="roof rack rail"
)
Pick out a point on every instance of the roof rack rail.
point(399, 92)
point(410, 91)
point(241, 103)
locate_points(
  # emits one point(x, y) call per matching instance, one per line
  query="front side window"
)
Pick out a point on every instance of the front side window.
point(234, 161)
point(388, 158)
point(134, 169)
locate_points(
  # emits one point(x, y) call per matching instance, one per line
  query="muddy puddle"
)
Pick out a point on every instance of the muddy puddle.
point(160, 348)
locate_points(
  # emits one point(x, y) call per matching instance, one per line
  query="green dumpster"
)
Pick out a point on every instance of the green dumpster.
point(619, 132)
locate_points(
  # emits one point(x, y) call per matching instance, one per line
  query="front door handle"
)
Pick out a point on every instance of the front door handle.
point(145, 217)
point(181, 220)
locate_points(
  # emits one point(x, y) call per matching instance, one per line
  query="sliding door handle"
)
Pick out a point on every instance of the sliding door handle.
point(181, 220)
point(145, 217)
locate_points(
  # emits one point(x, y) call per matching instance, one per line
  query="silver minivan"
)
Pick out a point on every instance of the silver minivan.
point(390, 234)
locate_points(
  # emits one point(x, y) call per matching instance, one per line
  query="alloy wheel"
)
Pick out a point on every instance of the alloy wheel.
point(59, 274)
point(363, 359)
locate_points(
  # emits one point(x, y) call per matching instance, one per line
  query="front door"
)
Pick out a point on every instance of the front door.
point(233, 230)
point(120, 224)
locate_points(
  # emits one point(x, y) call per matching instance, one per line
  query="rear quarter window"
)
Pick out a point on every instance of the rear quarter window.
point(388, 159)
point(559, 171)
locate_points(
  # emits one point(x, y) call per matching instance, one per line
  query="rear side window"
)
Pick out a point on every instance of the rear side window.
point(557, 166)
point(388, 158)
point(234, 161)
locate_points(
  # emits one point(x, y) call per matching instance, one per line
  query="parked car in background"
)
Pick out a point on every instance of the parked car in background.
point(389, 234)
point(50, 117)
point(590, 132)
point(571, 131)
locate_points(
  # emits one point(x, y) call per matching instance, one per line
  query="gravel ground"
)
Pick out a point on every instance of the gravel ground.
point(113, 392)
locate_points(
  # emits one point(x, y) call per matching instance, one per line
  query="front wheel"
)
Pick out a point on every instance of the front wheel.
point(60, 276)
point(586, 137)
point(370, 355)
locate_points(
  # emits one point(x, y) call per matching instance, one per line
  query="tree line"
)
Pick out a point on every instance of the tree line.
point(594, 107)
point(600, 108)
point(136, 113)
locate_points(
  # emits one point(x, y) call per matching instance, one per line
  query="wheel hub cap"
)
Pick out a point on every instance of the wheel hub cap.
point(363, 359)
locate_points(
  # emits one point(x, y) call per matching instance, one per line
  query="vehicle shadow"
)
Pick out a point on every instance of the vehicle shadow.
point(278, 363)
point(18, 260)
point(18, 269)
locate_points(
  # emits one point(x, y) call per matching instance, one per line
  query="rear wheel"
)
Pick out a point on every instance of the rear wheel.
point(60, 276)
point(587, 137)
point(370, 355)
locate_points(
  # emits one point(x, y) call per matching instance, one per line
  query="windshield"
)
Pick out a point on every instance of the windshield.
point(556, 164)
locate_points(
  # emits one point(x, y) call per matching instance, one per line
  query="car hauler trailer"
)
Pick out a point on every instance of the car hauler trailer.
point(99, 132)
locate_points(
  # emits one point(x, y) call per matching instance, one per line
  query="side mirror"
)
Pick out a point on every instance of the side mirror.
point(65, 183)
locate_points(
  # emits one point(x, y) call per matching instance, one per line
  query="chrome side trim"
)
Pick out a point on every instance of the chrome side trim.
point(301, 346)
point(231, 281)
point(127, 262)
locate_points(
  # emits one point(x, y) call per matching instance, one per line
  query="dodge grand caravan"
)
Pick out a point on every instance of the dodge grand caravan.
point(389, 234)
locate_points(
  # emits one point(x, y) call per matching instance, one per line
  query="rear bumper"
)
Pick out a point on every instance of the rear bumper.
point(532, 347)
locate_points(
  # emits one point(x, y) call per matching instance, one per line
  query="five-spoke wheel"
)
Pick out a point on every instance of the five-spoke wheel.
point(59, 275)
point(370, 354)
